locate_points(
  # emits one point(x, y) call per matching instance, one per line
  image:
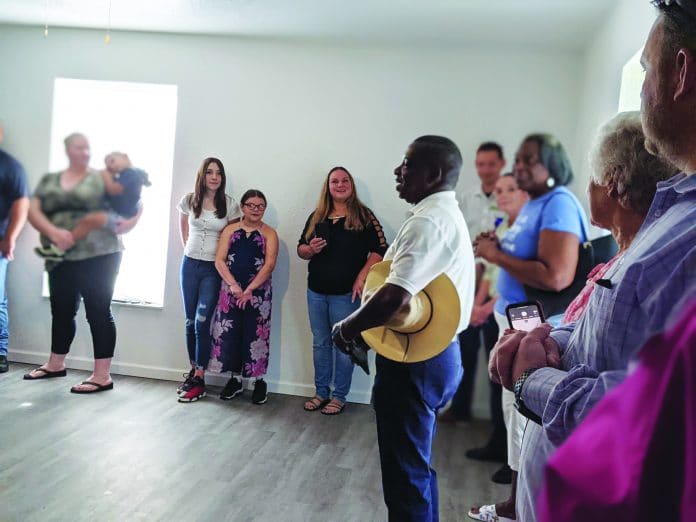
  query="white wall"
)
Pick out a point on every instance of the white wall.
point(278, 114)
point(616, 41)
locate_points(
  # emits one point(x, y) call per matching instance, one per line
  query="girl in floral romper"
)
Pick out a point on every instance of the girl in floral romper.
point(241, 326)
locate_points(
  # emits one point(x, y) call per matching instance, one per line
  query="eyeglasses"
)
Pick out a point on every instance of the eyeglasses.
point(252, 206)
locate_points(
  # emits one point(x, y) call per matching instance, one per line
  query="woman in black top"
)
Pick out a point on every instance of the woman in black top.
point(342, 239)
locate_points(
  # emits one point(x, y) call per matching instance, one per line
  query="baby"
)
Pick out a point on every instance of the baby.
point(123, 185)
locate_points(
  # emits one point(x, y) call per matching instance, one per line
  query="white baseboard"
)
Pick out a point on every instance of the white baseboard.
point(175, 374)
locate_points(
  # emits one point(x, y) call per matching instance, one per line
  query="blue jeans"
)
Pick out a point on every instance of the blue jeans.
point(4, 319)
point(200, 287)
point(329, 361)
point(406, 400)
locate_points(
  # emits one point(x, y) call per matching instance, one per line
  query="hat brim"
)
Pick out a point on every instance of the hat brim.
point(437, 334)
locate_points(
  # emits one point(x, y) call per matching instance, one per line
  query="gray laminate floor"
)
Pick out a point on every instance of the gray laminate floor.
point(134, 453)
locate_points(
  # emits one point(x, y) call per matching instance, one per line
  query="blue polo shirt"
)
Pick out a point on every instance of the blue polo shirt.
point(13, 185)
point(558, 210)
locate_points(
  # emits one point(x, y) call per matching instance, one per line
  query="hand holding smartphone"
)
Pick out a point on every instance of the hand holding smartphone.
point(525, 316)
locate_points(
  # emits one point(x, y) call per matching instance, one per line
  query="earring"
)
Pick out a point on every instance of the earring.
point(550, 182)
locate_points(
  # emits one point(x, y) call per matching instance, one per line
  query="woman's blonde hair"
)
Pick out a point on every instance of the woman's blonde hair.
point(619, 157)
point(357, 214)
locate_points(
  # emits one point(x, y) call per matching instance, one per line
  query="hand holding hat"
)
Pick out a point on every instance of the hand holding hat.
point(355, 348)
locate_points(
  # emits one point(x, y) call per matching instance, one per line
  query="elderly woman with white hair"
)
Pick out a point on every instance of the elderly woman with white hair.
point(622, 187)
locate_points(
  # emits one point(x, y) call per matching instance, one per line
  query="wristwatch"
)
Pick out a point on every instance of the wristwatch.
point(519, 403)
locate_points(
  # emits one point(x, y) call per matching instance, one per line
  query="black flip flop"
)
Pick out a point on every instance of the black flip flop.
point(97, 387)
point(45, 375)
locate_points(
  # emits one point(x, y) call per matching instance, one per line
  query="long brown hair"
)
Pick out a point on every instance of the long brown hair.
point(357, 214)
point(196, 198)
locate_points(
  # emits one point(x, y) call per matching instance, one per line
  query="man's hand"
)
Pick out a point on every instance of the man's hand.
point(517, 352)
point(356, 348)
point(537, 350)
point(7, 247)
point(502, 357)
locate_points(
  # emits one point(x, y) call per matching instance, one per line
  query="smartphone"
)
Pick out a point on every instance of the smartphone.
point(525, 316)
point(322, 230)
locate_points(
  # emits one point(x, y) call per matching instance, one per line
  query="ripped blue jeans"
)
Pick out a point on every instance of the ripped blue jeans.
point(200, 288)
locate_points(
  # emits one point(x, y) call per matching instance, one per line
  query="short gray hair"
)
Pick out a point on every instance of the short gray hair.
point(619, 157)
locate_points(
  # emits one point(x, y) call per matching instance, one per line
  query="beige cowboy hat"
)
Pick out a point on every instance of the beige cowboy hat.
point(421, 332)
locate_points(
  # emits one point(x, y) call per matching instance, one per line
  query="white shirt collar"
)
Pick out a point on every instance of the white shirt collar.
point(434, 200)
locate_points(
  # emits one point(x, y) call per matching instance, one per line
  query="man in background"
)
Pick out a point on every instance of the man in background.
point(14, 206)
point(481, 214)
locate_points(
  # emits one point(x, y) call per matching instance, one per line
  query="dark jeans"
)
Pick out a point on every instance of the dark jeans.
point(200, 288)
point(406, 399)
point(470, 342)
point(92, 279)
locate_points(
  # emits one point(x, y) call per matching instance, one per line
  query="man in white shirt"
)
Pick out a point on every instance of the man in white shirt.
point(433, 240)
point(478, 203)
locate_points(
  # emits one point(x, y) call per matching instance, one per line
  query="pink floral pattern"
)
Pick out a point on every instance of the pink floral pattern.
point(241, 337)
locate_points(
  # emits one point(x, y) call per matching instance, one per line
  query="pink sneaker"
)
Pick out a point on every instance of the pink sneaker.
point(196, 391)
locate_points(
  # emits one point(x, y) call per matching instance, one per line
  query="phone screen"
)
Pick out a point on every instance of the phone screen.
point(525, 318)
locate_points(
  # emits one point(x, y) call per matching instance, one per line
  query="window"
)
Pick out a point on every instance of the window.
point(140, 120)
point(632, 78)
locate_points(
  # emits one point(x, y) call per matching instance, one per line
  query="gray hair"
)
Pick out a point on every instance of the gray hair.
point(619, 157)
point(553, 156)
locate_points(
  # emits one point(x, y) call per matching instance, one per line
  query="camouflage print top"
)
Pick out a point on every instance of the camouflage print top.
point(65, 208)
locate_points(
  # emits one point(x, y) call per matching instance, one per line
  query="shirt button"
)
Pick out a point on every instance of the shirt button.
point(658, 213)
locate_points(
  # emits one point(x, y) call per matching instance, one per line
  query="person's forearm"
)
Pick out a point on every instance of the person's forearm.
point(225, 273)
point(532, 272)
point(262, 276)
point(564, 398)
point(305, 252)
point(388, 300)
point(112, 187)
point(482, 292)
point(18, 217)
point(489, 306)
point(372, 260)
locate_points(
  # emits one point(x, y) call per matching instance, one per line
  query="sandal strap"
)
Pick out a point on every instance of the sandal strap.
point(316, 403)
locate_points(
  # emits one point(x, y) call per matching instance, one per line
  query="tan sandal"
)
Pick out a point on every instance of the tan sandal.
point(315, 403)
point(335, 407)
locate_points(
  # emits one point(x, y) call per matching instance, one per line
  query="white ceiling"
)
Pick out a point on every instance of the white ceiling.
point(559, 23)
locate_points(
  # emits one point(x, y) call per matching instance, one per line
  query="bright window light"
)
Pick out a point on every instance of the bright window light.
point(632, 78)
point(140, 120)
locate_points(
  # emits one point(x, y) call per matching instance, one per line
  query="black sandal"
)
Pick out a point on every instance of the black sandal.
point(45, 375)
point(97, 387)
point(335, 405)
point(317, 403)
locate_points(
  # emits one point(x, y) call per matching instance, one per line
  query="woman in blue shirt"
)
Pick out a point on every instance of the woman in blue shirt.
point(540, 250)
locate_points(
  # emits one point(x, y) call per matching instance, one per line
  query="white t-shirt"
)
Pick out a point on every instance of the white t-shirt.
point(434, 240)
point(204, 231)
point(480, 211)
